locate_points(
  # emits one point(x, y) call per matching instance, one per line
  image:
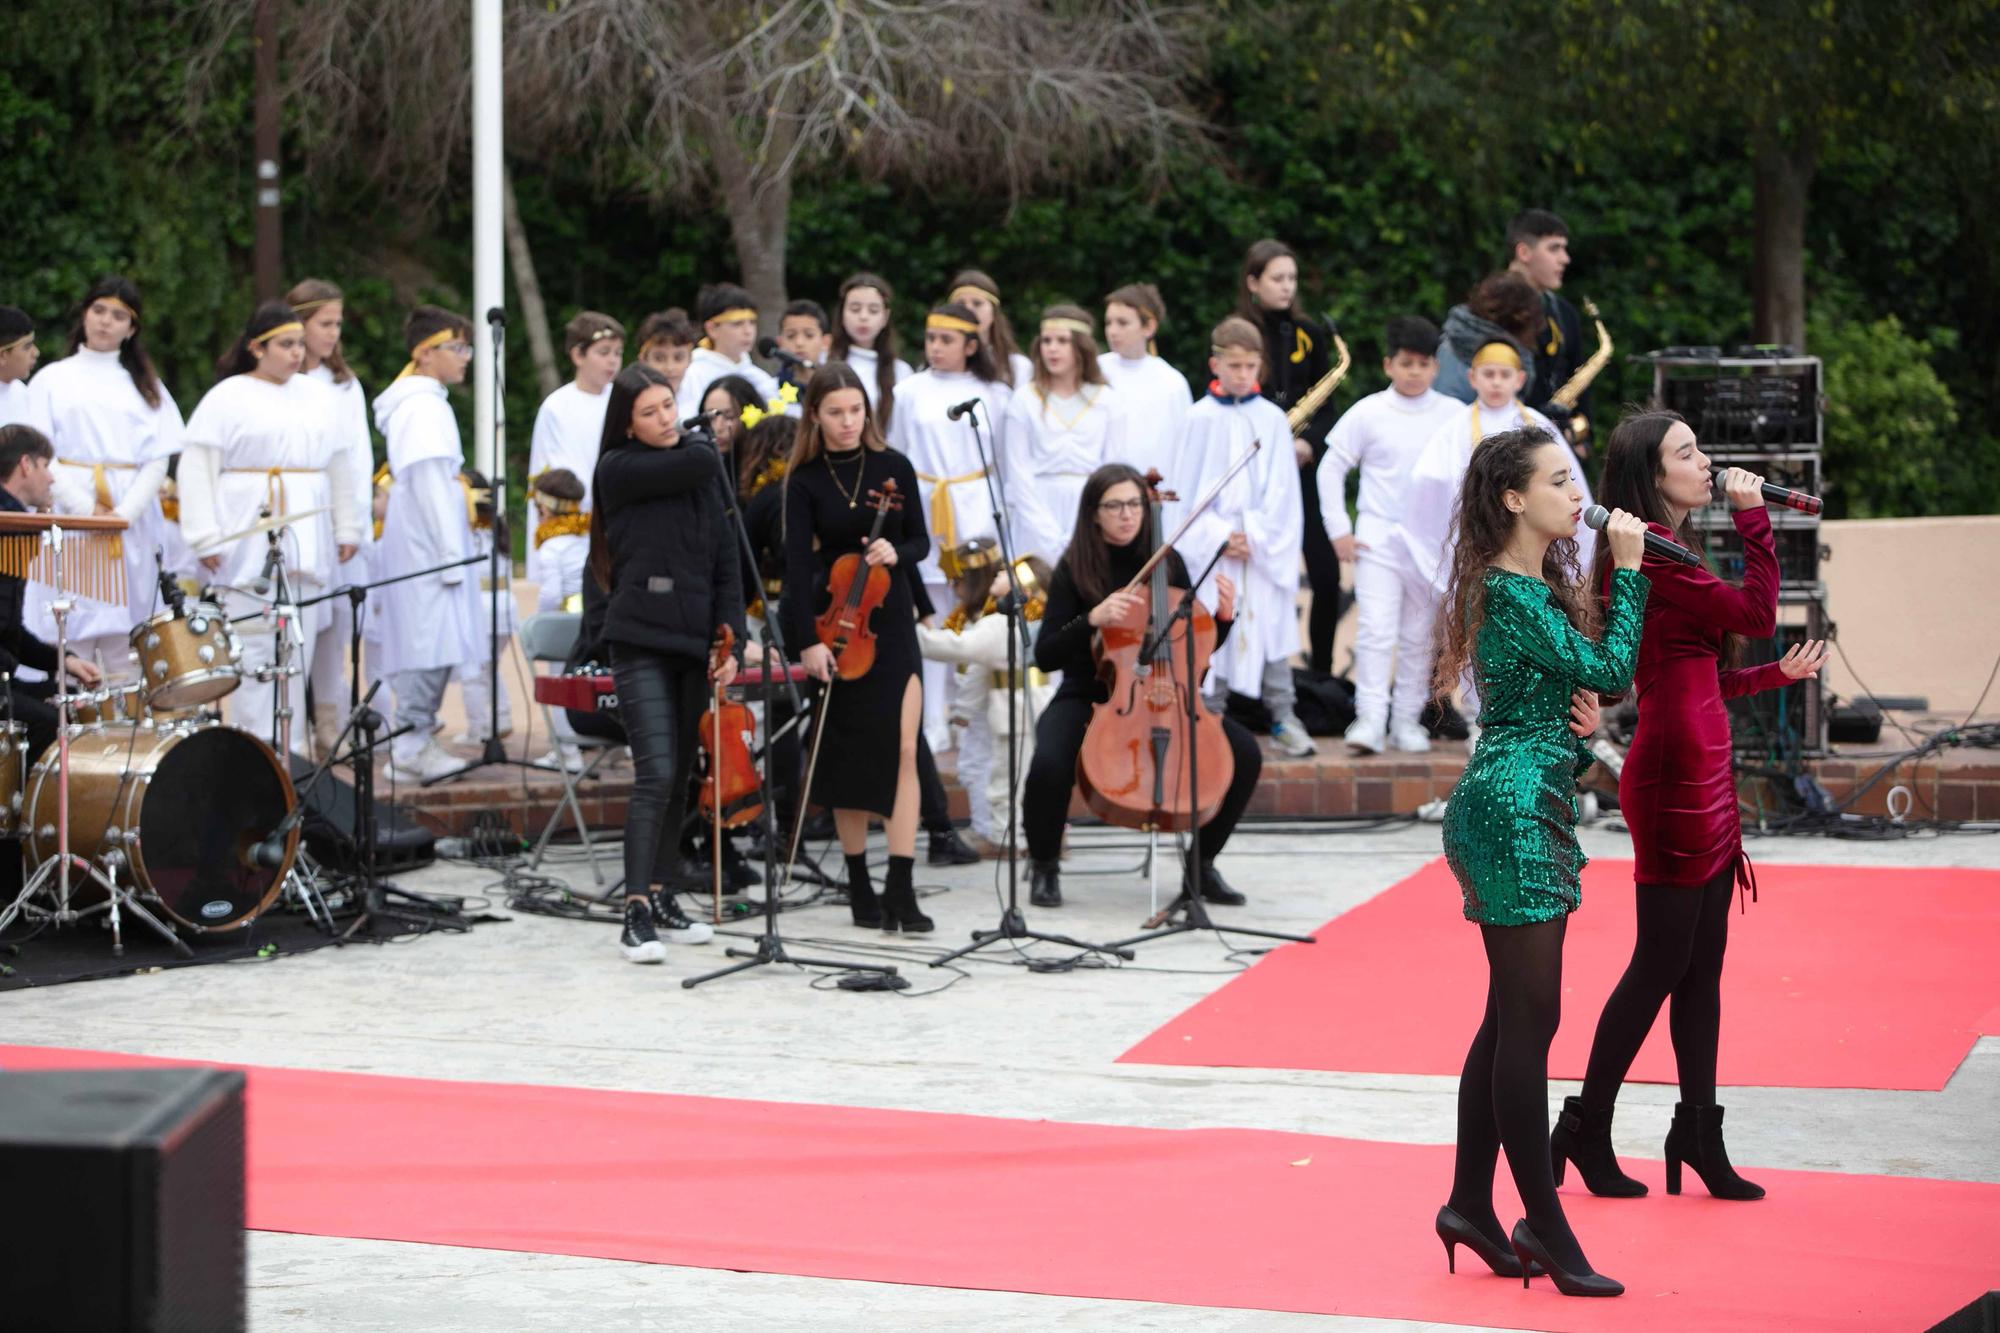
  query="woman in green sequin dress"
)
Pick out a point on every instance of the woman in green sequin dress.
point(1515, 609)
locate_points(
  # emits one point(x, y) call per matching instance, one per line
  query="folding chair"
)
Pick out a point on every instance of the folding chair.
point(550, 636)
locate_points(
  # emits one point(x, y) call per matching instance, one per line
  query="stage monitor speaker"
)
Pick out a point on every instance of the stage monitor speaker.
point(1982, 1316)
point(124, 1201)
point(401, 843)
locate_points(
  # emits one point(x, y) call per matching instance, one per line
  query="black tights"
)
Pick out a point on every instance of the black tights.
point(1503, 1093)
point(1682, 934)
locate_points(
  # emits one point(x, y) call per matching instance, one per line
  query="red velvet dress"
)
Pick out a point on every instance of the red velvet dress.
point(1677, 791)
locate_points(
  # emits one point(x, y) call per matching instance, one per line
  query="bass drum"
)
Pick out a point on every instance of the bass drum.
point(179, 809)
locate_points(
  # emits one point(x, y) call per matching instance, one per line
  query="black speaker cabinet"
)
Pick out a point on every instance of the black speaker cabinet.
point(1982, 1316)
point(121, 1201)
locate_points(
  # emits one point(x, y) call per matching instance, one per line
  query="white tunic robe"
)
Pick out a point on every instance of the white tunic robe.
point(569, 429)
point(99, 422)
point(21, 404)
point(1262, 501)
point(951, 480)
point(1382, 435)
point(1157, 399)
point(1050, 456)
point(707, 366)
point(864, 360)
point(434, 622)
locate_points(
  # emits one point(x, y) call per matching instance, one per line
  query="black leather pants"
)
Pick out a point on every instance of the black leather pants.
point(660, 699)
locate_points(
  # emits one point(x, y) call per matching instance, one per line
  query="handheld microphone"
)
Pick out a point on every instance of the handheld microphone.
point(768, 348)
point(496, 316)
point(700, 420)
point(958, 410)
point(1782, 495)
point(1597, 516)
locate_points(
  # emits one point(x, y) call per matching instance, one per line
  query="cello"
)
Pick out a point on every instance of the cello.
point(1134, 768)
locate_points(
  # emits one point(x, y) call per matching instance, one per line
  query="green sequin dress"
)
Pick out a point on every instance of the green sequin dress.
point(1510, 829)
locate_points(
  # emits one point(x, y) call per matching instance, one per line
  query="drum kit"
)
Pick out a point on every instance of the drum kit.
point(146, 804)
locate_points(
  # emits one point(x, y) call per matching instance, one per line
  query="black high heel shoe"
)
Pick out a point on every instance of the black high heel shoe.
point(1454, 1231)
point(1696, 1138)
point(861, 901)
point(899, 900)
point(1583, 1136)
point(1528, 1248)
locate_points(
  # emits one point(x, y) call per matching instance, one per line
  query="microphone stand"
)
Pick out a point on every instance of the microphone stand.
point(770, 945)
point(1013, 925)
point(1194, 914)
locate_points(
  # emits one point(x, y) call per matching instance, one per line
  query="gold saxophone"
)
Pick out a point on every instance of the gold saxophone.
point(1578, 425)
point(1302, 411)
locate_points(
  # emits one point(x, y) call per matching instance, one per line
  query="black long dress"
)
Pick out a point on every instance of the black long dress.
point(827, 516)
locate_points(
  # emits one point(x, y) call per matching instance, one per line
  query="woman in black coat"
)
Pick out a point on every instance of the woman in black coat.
point(660, 550)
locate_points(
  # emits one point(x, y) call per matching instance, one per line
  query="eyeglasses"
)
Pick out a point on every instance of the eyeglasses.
point(1121, 506)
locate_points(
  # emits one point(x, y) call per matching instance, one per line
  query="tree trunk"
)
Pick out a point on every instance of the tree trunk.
point(759, 214)
point(534, 314)
point(1783, 179)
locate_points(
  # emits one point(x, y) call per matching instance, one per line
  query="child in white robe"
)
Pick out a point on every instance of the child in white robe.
point(114, 427)
point(865, 338)
point(262, 442)
point(432, 624)
point(567, 434)
point(951, 475)
point(1257, 519)
point(729, 332)
point(1382, 435)
point(19, 402)
point(1062, 425)
point(1156, 397)
point(981, 295)
point(973, 639)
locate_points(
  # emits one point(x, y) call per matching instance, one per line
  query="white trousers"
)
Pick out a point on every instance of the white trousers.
point(1394, 620)
point(937, 680)
point(475, 689)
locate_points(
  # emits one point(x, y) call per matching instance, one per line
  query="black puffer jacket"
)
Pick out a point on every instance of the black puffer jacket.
point(675, 574)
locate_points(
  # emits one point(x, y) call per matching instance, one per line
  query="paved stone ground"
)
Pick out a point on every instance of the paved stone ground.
point(539, 1000)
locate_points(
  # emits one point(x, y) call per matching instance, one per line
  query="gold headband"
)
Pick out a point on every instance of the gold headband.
point(268, 334)
point(1067, 325)
point(728, 316)
point(966, 288)
point(936, 321)
point(21, 341)
point(112, 300)
point(438, 339)
point(307, 307)
point(1497, 354)
point(600, 335)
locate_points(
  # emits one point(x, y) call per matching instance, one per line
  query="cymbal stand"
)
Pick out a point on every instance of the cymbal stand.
point(302, 879)
point(56, 870)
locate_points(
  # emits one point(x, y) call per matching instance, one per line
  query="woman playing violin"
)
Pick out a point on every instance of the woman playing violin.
point(1112, 539)
point(866, 762)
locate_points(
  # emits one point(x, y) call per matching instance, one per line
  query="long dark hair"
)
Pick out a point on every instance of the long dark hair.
point(239, 360)
point(885, 342)
point(979, 359)
point(1001, 345)
point(1089, 555)
point(1255, 260)
point(632, 381)
point(1481, 527)
point(826, 381)
point(308, 295)
point(132, 352)
point(1631, 482)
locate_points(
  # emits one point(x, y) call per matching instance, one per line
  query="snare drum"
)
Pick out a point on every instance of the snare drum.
point(176, 811)
point(188, 657)
point(13, 771)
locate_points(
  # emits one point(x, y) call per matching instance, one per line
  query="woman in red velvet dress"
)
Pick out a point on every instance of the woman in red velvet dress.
point(1678, 795)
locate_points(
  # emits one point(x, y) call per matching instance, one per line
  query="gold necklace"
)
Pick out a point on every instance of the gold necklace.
point(853, 498)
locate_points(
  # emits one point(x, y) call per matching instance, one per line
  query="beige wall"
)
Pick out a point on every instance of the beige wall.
point(1916, 602)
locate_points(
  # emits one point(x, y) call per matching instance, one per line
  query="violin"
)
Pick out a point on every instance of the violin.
point(855, 589)
point(1133, 770)
point(723, 729)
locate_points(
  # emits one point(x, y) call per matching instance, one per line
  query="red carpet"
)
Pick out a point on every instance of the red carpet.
point(1840, 977)
point(1237, 1218)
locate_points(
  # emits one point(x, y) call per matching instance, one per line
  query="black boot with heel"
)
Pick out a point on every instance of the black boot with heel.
point(861, 899)
point(899, 899)
point(1696, 1139)
point(1583, 1136)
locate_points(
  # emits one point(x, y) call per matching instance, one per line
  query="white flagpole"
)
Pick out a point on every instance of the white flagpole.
point(488, 275)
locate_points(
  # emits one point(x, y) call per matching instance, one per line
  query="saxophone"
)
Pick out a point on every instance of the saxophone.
point(1577, 425)
point(1302, 411)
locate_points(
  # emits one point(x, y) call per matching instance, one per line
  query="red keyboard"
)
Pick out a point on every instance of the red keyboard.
point(585, 692)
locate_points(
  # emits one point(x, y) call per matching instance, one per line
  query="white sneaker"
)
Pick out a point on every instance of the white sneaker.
point(1369, 735)
point(567, 757)
point(427, 764)
point(1290, 734)
point(1410, 737)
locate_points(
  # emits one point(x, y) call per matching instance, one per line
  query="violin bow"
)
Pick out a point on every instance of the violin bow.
point(1215, 492)
point(805, 790)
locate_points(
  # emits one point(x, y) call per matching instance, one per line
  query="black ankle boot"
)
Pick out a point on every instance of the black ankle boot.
point(1045, 884)
point(1583, 1136)
point(948, 849)
point(861, 893)
point(899, 899)
point(1696, 1138)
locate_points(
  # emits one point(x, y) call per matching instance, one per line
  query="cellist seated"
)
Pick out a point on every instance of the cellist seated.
point(1111, 542)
